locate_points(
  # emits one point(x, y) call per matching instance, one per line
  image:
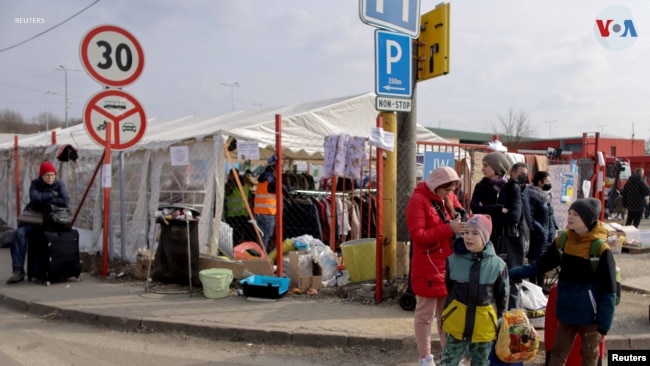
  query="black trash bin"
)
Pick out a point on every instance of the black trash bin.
point(171, 259)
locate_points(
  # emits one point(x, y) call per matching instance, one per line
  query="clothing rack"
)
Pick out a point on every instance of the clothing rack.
point(332, 196)
point(317, 193)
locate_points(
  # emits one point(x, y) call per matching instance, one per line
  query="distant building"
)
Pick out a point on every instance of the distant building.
point(565, 146)
point(468, 137)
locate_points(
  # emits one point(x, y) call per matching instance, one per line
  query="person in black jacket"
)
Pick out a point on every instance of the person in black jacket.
point(635, 193)
point(500, 197)
point(43, 192)
point(586, 296)
point(519, 173)
point(544, 222)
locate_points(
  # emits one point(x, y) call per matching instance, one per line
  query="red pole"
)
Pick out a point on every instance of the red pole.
point(53, 137)
point(379, 255)
point(90, 184)
point(333, 213)
point(17, 174)
point(106, 183)
point(278, 192)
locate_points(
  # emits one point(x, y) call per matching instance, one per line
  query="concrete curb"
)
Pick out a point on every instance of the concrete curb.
point(247, 333)
point(634, 288)
point(227, 333)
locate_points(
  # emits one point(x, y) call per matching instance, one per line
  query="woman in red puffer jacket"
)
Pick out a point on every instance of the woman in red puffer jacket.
point(433, 217)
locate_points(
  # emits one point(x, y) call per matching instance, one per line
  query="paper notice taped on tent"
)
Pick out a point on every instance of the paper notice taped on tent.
point(382, 139)
point(180, 155)
point(248, 150)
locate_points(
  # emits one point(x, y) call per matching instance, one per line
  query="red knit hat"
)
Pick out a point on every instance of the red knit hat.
point(46, 167)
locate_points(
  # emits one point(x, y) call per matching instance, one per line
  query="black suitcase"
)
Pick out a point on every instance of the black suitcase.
point(52, 256)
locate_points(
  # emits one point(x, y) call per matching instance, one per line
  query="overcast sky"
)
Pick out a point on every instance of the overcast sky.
point(541, 57)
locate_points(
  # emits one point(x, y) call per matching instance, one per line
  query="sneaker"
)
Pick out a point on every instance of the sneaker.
point(17, 276)
point(427, 361)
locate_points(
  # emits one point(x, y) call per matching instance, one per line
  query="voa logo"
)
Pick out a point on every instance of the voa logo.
point(615, 29)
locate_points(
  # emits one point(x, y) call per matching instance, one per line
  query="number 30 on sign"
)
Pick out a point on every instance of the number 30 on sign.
point(111, 55)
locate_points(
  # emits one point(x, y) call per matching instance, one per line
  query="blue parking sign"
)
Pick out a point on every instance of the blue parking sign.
point(393, 64)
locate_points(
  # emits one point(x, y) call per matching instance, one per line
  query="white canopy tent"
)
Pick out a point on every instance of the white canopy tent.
point(150, 180)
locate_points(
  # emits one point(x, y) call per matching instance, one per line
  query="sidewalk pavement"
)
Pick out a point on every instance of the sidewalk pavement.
point(300, 321)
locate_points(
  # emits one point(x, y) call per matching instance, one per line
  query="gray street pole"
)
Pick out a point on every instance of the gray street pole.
point(65, 71)
point(232, 93)
point(549, 126)
point(47, 117)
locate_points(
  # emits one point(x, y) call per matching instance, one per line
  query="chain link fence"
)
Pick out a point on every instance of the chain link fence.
point(328, 207)
point(141, 182)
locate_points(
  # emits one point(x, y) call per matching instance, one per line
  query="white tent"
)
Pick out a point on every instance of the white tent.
point(145, 179)
point(301, 123)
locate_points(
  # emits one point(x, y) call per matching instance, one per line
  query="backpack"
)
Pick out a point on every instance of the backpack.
point(594, 258)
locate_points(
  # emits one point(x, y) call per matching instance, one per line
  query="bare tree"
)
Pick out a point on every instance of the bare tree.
point(46, 121)
point(13, 122)
point(512, 126)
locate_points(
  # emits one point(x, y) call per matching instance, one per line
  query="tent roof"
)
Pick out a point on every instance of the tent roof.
point(302, 124)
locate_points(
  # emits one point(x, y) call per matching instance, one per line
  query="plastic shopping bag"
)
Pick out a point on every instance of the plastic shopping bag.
point(534, 303)
point(517, 339)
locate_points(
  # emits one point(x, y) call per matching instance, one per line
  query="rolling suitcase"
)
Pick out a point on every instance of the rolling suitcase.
point(52, 256)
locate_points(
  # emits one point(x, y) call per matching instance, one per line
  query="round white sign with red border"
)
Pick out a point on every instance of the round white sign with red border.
point(128, 121)
point(111, 55)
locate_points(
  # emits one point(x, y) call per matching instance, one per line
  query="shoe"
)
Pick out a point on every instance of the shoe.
point(427, 361)
point(17, 276)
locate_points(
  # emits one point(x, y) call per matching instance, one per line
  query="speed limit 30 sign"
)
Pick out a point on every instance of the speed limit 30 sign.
point(111, 55)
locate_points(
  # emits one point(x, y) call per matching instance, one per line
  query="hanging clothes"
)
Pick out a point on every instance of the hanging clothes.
point(335, 152)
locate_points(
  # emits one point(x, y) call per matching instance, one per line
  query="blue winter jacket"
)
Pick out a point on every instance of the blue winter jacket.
point(584, 297)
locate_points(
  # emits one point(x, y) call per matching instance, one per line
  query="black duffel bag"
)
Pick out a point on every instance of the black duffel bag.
point(58, 218)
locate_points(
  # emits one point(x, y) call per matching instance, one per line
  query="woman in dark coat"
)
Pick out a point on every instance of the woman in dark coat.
point(542, 233)
point(499, 197)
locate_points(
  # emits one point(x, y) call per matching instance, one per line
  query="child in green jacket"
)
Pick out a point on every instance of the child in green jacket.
point(477, 284)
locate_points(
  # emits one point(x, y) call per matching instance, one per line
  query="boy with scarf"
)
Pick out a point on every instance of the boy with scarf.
point(585, 298)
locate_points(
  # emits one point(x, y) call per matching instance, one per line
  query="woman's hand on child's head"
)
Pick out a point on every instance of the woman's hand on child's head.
point(457, 226)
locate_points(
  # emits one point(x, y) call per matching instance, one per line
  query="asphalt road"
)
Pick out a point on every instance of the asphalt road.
point(29, 340)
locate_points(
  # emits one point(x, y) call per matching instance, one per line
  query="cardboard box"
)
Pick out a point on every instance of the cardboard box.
point(142, 264)
point(304, 281)
point(240, 268)
point(611, 231)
